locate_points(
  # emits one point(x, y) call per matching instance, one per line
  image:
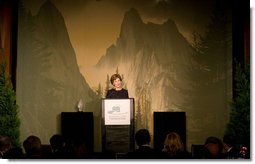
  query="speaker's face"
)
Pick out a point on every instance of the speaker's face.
point(117, 83)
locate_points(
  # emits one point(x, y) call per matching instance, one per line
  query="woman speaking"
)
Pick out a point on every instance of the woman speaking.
point(117, 92)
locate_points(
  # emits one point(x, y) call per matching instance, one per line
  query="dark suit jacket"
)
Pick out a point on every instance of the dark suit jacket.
point(144, 152)
point(232, 154)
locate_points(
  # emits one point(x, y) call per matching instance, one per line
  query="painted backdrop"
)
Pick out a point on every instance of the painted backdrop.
point(173, 55)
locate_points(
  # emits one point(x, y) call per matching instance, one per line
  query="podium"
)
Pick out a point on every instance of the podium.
point(118, 125)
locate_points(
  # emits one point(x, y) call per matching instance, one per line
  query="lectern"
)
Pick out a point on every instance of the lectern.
point(118, 125)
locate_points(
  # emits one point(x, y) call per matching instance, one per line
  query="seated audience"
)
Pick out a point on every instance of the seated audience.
point(229, 145)
point(144, 151)
point(32, 146)
point(213, 148)
point(7, 151)
point(58, 147)
point(174, 147)
point(5, 145)
point(80, 150)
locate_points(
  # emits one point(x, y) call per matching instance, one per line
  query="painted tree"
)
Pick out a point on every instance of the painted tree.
point(107, 85)
point(9, 120)
point(138, 117)
point(124, 85)
point(212, 72)
point(117, 70)
point(214, 48)
point(99, 91)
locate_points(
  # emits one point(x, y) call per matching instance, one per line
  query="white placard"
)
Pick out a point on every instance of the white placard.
point(117, 112)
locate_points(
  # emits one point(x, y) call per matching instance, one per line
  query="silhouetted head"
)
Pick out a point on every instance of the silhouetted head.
point(57, 142)
point(214, 146)
point(32, 145)
point(142, 137)
point(5, 143)
point(229, 140)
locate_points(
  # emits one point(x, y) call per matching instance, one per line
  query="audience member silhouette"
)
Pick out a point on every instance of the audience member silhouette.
point(80, 150)
point(229, 145)
point(174, 147)
point(144, 151)
point(58, 147)
point(7, 151)
point(213, 148)
point(5, 145)
point(32, 146)
point(14, 153)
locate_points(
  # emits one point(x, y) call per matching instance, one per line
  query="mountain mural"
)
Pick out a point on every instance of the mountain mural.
point(48, 81)
point(163, 72)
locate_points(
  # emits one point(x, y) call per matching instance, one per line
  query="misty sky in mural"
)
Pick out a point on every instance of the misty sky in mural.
point(93, 25)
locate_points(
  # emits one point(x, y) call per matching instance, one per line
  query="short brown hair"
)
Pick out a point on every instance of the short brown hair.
point(32, 145)
point(114, 77)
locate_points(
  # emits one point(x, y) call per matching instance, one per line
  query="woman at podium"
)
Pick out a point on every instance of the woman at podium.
point(117, 92)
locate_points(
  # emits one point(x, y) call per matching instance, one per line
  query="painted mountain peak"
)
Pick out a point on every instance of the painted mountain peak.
point(49, 81)
point(163, 40)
